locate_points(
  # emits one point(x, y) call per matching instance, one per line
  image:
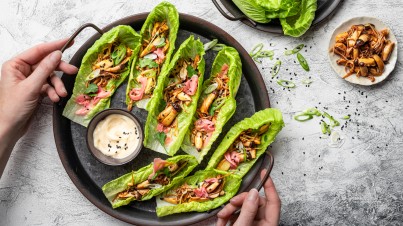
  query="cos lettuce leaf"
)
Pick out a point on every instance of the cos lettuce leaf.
point(260, 118)
point(189, 49)
point(164, 11)
point(123, 34)
point(229, 56)
point(231, 187)
point(297, 25)
point(280, 8)
point(252, 10)
point(114, 187)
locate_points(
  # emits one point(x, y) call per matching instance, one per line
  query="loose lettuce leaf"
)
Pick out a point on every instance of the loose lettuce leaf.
point(280, 8)
point(297, 25)
point(229, 56)
point(269, 115)
point(114, 187)
point(163, 11)
point(189, 49)
point(123, 34)
point(252, 10)
point(231, 187)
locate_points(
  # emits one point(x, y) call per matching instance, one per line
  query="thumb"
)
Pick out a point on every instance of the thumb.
point(249, 209)
point(44, 70)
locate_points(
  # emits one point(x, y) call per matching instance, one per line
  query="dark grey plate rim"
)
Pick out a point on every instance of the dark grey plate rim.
point(61, 125)
point(321, 15)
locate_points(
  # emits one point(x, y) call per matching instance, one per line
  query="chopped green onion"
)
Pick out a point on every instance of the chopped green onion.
point(302, 62)
point(161, 42)
point(218, 47)
point(210, 45)
point(325, 128)
point(295, 50)
point(286, 83)
point(303, 117)
point(256, 49)
point(210, 88)
point(312, 111)
point(346, 117)
point(333, 122)
point(275, 69)
point(306, 81)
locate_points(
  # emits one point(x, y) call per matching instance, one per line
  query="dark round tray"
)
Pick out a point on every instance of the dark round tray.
point(89, 175)
point(325, 9)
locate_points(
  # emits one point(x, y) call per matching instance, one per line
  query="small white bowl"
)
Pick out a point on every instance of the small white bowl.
point(345, 26)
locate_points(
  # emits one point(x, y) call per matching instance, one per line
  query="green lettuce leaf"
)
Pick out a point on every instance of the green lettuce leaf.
point(231, 187)
point(123, 34)
point(297, 25)
point(252, 10)
point(189, 49)
point(280, 8)
point(114, 187)
point(163, 11)
point(229, 56)
point(260, 118)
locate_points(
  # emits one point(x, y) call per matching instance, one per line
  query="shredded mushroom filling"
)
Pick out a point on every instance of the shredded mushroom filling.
point(208, 189)
point(363, 51)
point(243, 149)
point(207, 112)
point(152, 55)
point(110, 63)
point(183, 83)
point(160, 178)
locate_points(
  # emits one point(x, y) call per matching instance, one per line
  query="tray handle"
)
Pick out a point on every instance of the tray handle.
point(266, 176)
point(68, 43)
point(232, 18)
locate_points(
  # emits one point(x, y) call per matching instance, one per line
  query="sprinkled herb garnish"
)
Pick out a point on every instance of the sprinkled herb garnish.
point(286, 83)
point(302, 62)
point(295, 50)
point(275, 68)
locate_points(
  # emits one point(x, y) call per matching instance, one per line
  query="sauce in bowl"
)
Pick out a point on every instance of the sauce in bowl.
point(116, 136)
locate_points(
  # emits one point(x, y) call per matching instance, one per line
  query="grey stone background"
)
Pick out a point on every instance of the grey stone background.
point(359, 183)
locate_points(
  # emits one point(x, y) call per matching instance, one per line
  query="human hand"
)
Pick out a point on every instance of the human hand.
point(256, 210)
point(24, 82)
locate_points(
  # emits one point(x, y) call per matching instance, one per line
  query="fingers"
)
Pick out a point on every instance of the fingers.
point(225, 214)
point(270, 190)
point(48, 90)
point(38, 52)
point(44, 70)
point(239, 199)
point(249, 209)
point(58, 85)
point(67, 68)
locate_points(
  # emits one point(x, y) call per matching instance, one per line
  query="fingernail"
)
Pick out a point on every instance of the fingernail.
point(253, 194)
point(56, 56)
point(64, 90)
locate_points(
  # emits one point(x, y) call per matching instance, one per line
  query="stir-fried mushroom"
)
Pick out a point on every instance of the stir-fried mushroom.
point(363, 50)
point(244, 148)
point(160, 178)
point(209, 189)
point(183, 84)
point(207, 112)
point(110, 63)
point(154, 46)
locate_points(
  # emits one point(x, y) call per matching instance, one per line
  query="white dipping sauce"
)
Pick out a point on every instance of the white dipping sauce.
point(116, 136)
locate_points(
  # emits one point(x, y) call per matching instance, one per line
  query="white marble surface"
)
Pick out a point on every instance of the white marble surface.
point(359, 183)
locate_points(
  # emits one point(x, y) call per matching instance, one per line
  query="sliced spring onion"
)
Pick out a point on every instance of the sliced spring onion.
point(218, 47)
point(286, 83)
point(210, 45)
point(312, 111)
point(346, 117)
point(275, 69)
point(210, 88)
point(256, 49)
point(159, 42)
point(302, 62)
point(306, 81)
point(333, 122)
point(151, 56)
point(303, 117)
point(295, 50)
point(325, 128)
